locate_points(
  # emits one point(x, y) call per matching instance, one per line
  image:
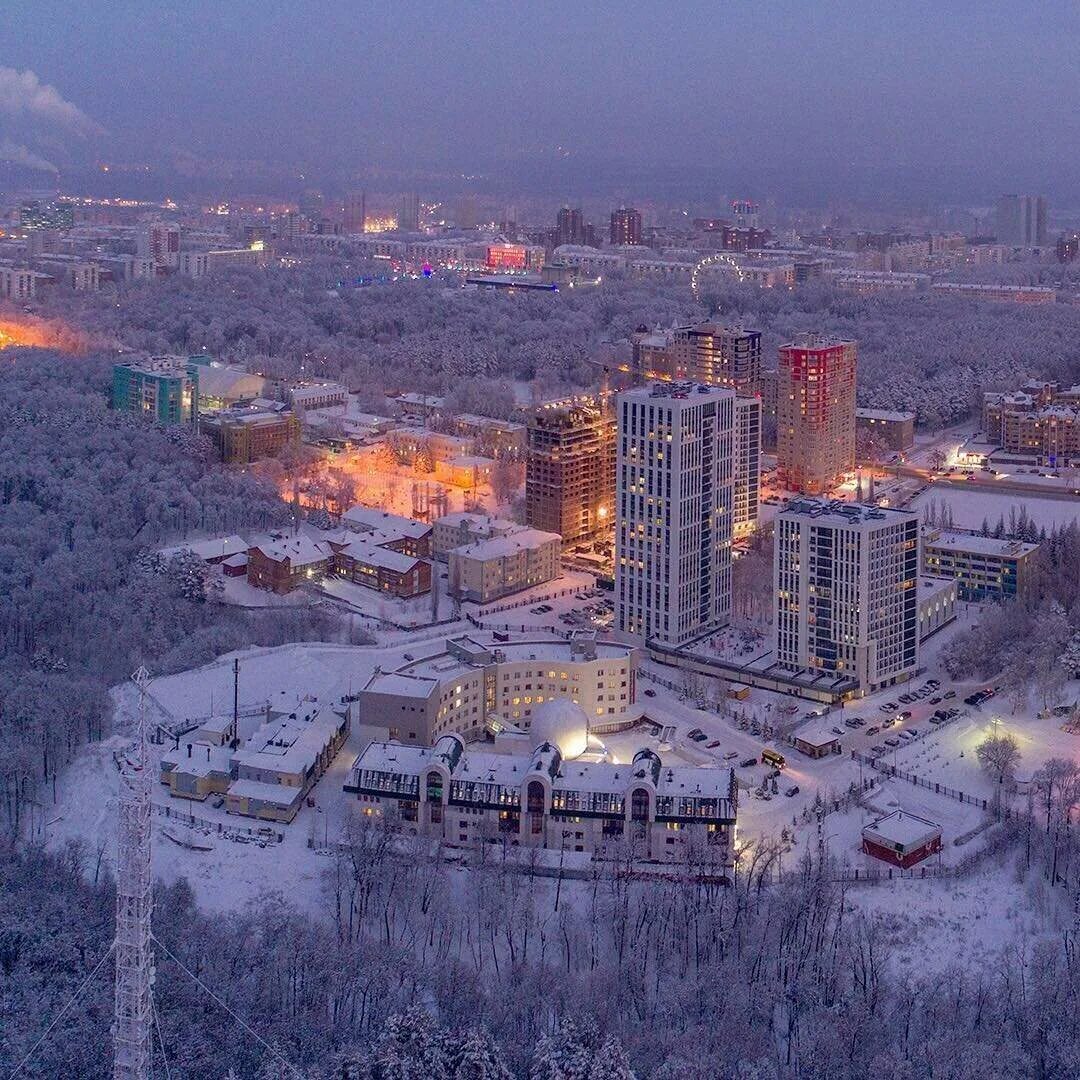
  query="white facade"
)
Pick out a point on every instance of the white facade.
point(674, 481)
point(846, 582)
point(747, 467)
point(468, 797)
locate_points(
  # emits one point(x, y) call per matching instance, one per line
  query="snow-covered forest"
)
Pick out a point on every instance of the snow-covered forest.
point(517, 977)
point(85, 493)
point(428, 973)
point(928, 353)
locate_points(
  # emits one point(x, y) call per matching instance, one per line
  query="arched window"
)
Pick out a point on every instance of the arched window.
point(639, 805)
point(535, 797)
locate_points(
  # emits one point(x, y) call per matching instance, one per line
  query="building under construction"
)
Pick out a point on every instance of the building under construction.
point(570, 471)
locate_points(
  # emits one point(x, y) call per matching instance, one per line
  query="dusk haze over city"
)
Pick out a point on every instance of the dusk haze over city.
point(539, 541)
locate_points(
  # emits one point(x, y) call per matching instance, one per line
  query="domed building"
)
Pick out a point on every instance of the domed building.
point(562, 723)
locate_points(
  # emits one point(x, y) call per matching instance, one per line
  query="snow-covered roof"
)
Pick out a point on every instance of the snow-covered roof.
point(884, 414)
point(513, 543)
point(371, 553)
point(371, 518)
point(278, 794)
point(902, 831)
point(978, 545)
point(299, 550)
point(816, 735)
point(511, 770)
point(289, 744)
point(219, 547)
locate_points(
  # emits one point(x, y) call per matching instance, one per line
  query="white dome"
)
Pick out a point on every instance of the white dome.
point(561, 723)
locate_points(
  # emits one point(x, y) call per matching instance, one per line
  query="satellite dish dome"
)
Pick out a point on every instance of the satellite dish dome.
point(561, 723)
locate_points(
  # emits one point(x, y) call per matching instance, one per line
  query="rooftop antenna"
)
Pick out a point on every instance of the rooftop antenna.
point(133, 1003)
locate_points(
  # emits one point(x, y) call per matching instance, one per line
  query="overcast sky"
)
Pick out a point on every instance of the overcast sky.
point(979, 92)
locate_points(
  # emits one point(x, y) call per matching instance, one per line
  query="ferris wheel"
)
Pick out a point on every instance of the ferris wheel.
point(721, 258)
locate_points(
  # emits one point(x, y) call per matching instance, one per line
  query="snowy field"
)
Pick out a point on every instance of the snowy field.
point(971, 508)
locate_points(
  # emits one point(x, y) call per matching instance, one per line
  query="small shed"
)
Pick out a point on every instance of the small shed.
point(901, 839)
point(816, 741)
point(235, 565)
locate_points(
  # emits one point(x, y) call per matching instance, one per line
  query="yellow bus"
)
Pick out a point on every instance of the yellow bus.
point(773, 758)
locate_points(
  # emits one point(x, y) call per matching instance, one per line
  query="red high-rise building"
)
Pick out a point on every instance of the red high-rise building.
point(625, 226)
point(816, 413)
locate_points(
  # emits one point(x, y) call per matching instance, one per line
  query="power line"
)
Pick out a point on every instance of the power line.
point(161, 1041)
point(251, 1031)
point(59, 1016)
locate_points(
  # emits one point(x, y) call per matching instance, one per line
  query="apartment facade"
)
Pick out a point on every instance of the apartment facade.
point(502, 565)
point(463, 796)
point(163, 388)
point(984, 567)
point(472, 684)
point(816, 413)
point(570, 469)
point(893, 430)
point(675, 469)
point(243, 434)
point(746, 491)
point(845, 579)
point(1040, 420)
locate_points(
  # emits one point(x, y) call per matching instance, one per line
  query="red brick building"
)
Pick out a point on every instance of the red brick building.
point(382, 568)
point(901, 839)
point(282, 563)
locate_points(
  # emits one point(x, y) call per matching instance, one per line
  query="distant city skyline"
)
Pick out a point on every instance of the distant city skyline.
point(855, 103)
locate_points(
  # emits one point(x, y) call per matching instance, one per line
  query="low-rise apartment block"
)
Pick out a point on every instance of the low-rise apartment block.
point(269, 776)
point(246, 433)
point(496, 567)
point(1040, 420)
point(461, 529)
point(893, 430)
point(983, 567)
point(999, 294)
point(414, 537)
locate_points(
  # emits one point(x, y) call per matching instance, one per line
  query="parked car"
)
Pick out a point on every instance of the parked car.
point(792, 791)
point(699, 737)
point(408, 656)
point(713, 745)
point(879, 748)
point(937, 719)
point(838, 731)
point(913, 732)
point(892, 741)
point(850, 724)
point(649, 693)
point(905, 715)
point(731, 754)
point(747, 762)
point(948, 695)
point(935, 701)
point(873, 730)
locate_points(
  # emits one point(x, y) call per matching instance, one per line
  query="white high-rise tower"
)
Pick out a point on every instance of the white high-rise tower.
point(674, 494)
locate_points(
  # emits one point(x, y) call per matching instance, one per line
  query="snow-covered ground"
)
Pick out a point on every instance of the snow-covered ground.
point(232, 872)
point(971, 508)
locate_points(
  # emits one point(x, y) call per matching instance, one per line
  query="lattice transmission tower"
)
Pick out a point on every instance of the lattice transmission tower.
point(134, 902)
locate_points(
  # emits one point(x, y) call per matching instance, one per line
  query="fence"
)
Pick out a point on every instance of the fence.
point(918, 781)
point(263, 832)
